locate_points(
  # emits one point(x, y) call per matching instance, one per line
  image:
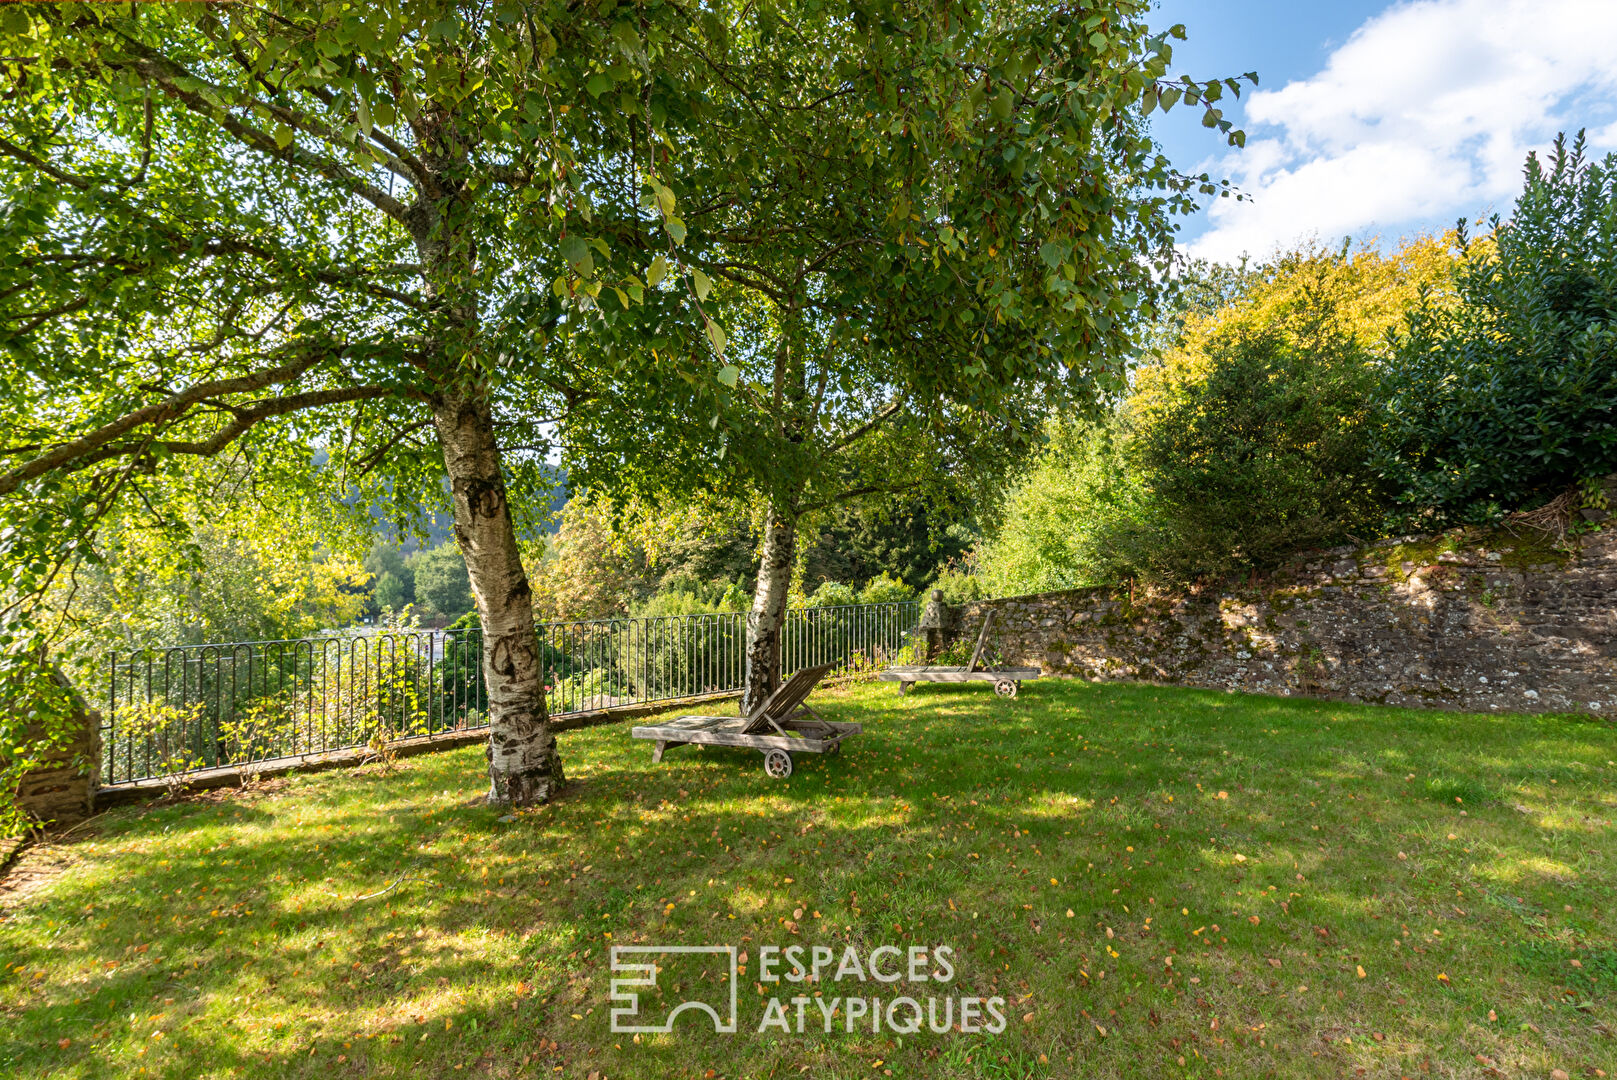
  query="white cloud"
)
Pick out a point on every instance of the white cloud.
point(1427, 112)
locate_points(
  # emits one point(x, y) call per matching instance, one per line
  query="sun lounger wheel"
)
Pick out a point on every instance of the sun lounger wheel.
point(778, 763)
point(1005, 688)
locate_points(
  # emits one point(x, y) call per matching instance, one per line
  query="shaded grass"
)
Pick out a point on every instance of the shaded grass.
point(1067, 844)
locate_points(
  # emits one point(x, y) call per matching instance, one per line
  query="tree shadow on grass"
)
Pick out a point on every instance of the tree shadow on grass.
point(1017, 831)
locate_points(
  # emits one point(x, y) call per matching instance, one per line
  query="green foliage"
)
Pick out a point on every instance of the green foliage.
point(171, 737)
point(907, 537)
point(392, 577)
point(830, 594)
point(589, 569)
point(1504, 399)
point(238, 574)
point(885, 589)
point(1079, 516)
point(391, 593)
point(308, 234)
point(1262, 456)
point(959, 581)
point(442, 588)
point(688, 595)
point(1248, 440)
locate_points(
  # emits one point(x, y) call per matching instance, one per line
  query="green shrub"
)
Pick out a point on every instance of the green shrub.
point(1264, 455)
point(1080, 516)
point(831, 594)
point(686, 595)
point(1503, 400)
point(1247, 440)
point(885, 589)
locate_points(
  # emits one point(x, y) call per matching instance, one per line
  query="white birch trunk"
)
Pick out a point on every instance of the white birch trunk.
point(523, 765)
point(768, 616)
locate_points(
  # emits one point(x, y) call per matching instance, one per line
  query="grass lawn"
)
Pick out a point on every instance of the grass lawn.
point(1341, 891)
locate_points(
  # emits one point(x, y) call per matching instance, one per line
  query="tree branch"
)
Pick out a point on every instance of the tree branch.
point(153, 67)
point(161, 412)
point(887, 411)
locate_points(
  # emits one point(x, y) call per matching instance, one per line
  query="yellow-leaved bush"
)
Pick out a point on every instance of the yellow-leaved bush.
point(1244, 441)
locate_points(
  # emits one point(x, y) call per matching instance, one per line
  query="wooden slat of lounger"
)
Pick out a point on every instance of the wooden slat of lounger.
point(913, 675)
point(785, 700)
point(731, 735)
point(982, 636)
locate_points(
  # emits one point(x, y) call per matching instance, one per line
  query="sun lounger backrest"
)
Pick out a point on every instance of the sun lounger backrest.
point(785, 700)
point(982, 636)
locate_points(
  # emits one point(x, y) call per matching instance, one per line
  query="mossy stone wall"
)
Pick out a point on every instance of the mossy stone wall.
point(1467, 620)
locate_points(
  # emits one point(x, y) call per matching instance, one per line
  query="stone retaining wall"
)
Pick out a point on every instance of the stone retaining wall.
point(62, 790)
point(1469, 620)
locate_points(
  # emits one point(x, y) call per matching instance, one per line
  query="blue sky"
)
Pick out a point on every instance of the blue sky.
point(1383, 120)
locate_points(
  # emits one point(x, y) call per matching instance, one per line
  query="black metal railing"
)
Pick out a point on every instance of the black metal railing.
point(176, 710)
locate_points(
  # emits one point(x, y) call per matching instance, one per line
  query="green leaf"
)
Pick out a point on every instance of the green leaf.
point(715, 334)
point(729, 373)
point(577, 253)
point(676, 229)
point(657, 271)
point(625, 36)
point(703, 283)
point(283, 136)
point(599, 84)
point(1003, 104)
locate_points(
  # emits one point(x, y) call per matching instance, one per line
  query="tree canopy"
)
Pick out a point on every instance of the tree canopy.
point(403, 238)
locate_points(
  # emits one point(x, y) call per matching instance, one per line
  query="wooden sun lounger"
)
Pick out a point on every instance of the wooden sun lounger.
point(1006, 680)
point(782, 726)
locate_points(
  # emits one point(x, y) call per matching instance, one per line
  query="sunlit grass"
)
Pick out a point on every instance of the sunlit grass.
point(1270, 849)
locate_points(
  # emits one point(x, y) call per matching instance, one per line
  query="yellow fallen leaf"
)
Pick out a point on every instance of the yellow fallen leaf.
point(1360, 970)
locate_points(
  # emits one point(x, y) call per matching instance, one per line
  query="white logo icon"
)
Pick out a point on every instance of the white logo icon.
point(644, 975)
